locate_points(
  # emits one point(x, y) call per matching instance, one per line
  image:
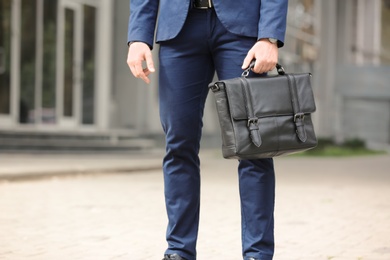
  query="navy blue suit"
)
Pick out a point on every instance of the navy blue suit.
point(194, 44)
point(252, 18)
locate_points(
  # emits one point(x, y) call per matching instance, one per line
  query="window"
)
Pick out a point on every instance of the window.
point(89, 65)
point(49, 62)
point(385, 33)
point(28, 61)
point(5, 56)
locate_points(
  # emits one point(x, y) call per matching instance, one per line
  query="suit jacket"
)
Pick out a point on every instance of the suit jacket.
point(252, 18)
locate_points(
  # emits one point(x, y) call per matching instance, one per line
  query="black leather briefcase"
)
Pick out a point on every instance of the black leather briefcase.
point(263, 117)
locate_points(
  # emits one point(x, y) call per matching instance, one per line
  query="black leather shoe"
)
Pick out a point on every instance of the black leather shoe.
point(173, 257)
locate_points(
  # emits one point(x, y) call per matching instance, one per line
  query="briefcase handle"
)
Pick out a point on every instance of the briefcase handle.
point(279, 69)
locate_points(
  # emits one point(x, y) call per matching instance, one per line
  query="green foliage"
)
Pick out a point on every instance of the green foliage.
point(351, 147)
point(354, 144)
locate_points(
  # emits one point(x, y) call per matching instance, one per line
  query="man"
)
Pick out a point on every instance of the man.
point(198, 38)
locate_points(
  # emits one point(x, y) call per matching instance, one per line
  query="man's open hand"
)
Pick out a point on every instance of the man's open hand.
point(138, 53)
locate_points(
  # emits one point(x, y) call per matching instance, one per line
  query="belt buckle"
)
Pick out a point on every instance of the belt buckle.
point(204, 7)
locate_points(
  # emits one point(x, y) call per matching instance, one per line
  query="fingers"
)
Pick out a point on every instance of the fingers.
point(138, 53)
point(264, 66)
point(140, 72)
point(247, 61)
point(266, 55)
point(149, 62)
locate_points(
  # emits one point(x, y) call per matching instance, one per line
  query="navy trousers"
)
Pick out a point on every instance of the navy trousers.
point(187, 65)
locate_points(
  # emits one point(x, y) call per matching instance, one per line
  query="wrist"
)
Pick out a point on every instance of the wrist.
point(270, 40)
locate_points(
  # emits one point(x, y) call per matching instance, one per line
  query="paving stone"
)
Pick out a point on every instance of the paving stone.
point(326, 208)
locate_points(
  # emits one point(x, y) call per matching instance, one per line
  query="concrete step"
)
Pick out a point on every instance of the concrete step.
point(71, 140)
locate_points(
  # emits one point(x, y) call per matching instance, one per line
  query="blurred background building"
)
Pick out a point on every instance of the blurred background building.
point(64, 82)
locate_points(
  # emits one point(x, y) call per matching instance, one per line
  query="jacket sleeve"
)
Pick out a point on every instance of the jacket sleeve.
point(142, 21)
point(273, 18)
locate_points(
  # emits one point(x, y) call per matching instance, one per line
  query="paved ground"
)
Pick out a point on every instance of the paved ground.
point(335, 209)
point(14, 166)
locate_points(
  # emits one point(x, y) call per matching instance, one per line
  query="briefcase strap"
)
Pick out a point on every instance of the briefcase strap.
point(253, 121)
point(299, 116)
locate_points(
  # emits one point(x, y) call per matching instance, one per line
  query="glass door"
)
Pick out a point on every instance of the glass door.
point(48, 63)
point(5, 57)
point(69, 80)
point(76, 64)
point(69, 64)
point(27, 62)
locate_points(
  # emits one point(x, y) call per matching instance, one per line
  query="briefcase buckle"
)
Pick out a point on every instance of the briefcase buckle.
point(253, 120)
point(216, 87)
point(300, 116)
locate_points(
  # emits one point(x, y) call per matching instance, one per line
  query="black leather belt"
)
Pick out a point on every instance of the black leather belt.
point(202, 4)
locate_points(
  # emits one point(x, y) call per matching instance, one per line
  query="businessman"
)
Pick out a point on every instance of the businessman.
point(198, 38)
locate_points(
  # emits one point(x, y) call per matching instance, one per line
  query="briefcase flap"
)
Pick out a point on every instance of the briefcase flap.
point(270, 96)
